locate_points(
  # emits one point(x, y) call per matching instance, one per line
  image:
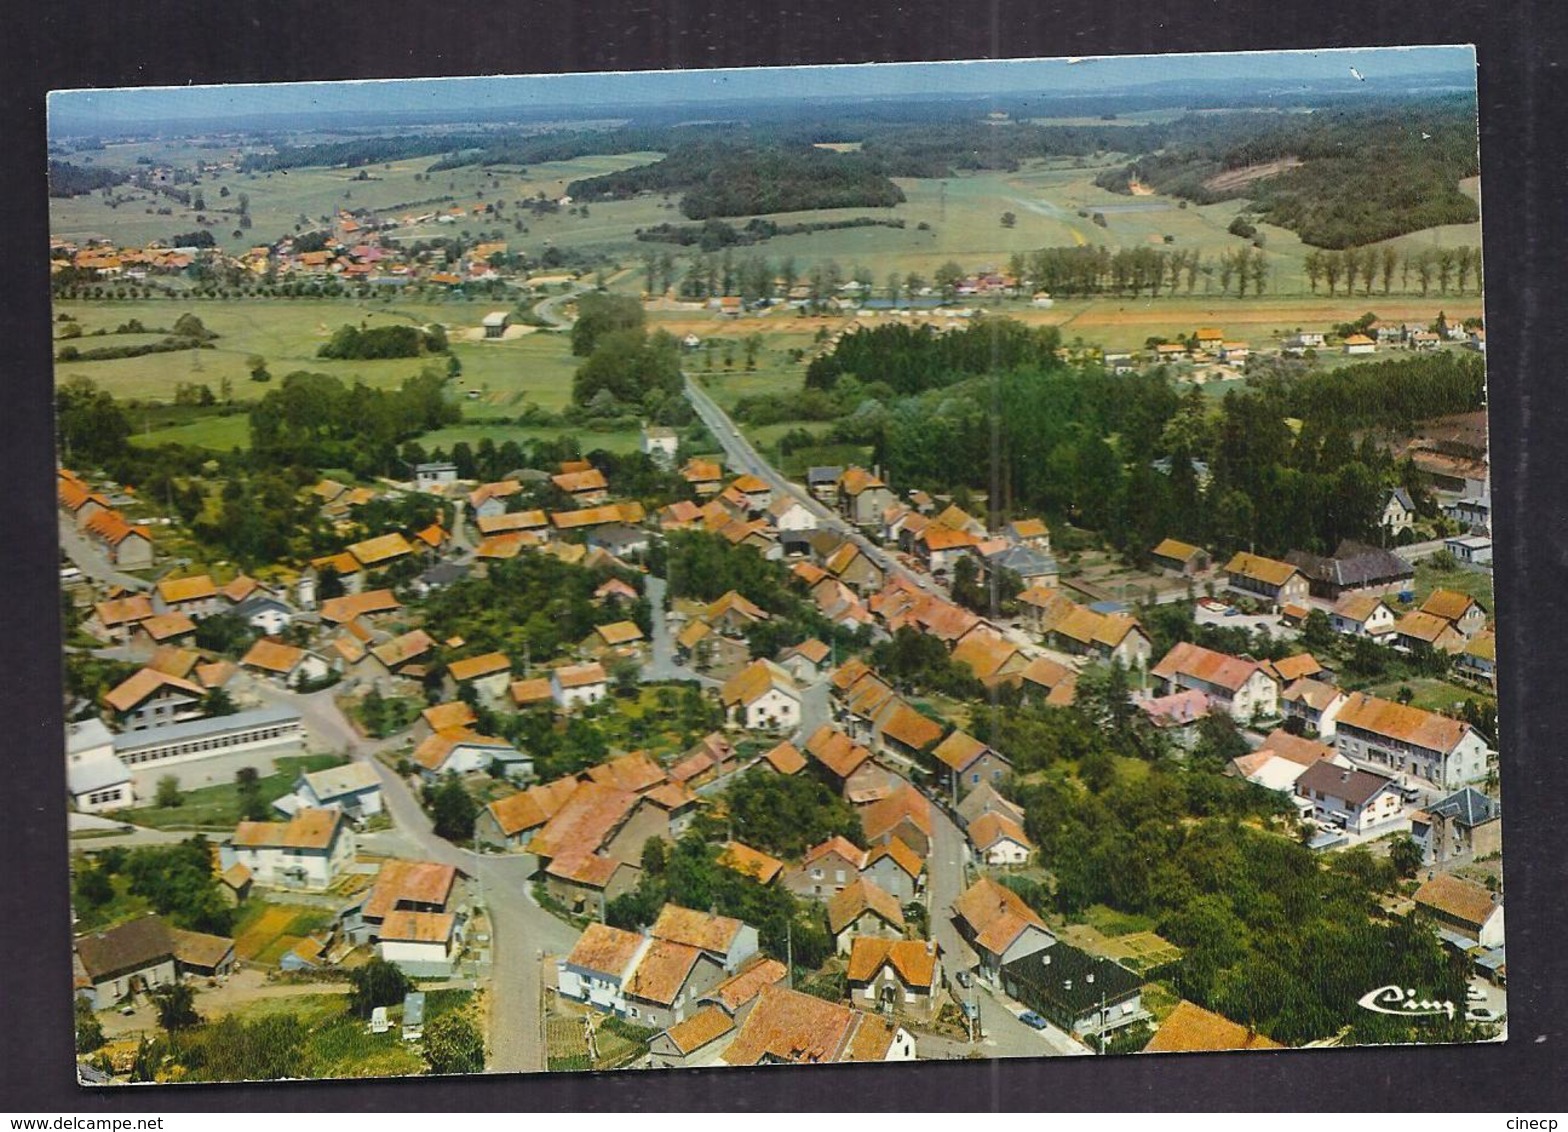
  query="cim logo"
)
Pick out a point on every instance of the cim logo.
point(1394, 999)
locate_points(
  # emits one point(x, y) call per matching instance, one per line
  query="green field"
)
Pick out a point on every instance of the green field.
point(278, 200)
point(218, 807)
point(534, 368)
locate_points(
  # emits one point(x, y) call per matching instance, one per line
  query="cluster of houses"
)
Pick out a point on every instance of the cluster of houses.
point(413, 914)
point(127, 545)
point(353, 248)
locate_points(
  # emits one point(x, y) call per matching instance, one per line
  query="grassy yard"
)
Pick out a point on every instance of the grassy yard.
point(340, 1044)
point(218, 807)
point(1430, 694)
point(120, 907)
point(1476, 583)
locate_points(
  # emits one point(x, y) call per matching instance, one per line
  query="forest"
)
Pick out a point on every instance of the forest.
point(1079, 444)
point(69, 180)
point(1361, 175)
point(316, 420)
point(720, 178)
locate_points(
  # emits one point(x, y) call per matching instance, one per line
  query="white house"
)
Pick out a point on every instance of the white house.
point(309, 851)
point(266, 614)
point(1314, 703)
point(1474, 549)
point(999, 840)
point(762, 696)
point(96, 779)
point(579, 684)
point(354, 788)
point(1364, 615)
point(659, 444)
point(1399, 512)
point(1355, 800)
point(420, 943)
point(1399, 739)
point(599, 966)
point(1243, 688)
point(433, 475)
point(459, 750)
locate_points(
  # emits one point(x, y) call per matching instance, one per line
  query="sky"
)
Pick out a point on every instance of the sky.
point(105, 109)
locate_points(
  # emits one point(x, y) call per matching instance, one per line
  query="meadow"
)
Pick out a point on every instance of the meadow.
point(954, 219)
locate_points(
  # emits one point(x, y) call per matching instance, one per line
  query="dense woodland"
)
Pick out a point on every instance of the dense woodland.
point(1365, 174)
point(70, 180)
point(719, 178)
point(1080, 444)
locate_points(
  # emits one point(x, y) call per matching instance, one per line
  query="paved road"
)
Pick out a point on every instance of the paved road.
point(1003, 1034)
point(520, 930)
point(741, 456)
point(92, 561)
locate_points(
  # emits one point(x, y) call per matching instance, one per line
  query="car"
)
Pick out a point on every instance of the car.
point(1033, 1020)
point(971, 1009)
point(965, 979)
point(1474, 994)
point(1482, 1014)
point(1232, 611)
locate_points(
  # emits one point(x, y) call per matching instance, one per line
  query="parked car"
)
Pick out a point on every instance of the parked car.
point(965, 979)
point(1474, 994)
point(1030, 1018)
point(971, 1009)
point(1482, 1014)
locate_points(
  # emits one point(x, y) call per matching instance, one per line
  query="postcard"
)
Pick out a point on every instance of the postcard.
point(783, 566)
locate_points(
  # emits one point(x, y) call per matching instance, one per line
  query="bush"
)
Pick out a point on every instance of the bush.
point(168, 795)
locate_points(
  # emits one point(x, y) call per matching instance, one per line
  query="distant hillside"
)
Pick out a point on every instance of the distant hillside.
point(1337, 178)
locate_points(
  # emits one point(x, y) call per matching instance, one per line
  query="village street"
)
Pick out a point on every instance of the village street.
point(520, 930)
point(92, 561)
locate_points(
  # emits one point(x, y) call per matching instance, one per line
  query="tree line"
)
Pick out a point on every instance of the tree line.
point(1459, 265)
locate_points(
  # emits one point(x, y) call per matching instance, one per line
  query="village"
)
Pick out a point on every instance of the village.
point(913, 942)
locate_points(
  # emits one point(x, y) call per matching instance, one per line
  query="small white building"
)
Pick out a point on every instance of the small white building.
point(427, 477)
point(762, 696)
point(354, 788)
point(96, 779)
point(578, 684)
point(424, 944)
point(659, 444)
point(1473, 549)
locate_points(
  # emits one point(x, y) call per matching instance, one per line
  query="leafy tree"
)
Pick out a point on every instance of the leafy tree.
point(168, 794)
point(1405, 855)
point(600, 315)
point(453, 1044)
point(179, 883)
point(248, 785)
point(175, 1003)
point(787, 814)
point(454, 810)
point(91, 426)
point(377, 983)
point(93, 886)
point(89, 1030)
